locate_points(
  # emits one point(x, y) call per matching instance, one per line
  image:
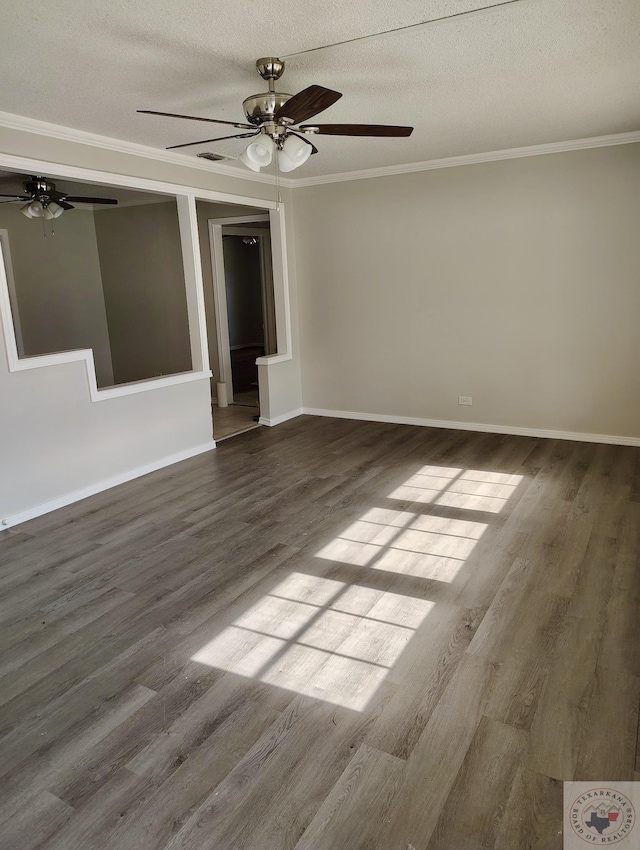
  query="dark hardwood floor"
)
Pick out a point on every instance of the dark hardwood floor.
point(329, 635)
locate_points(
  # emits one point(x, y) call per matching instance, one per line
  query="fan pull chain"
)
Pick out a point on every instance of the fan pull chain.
point(278, 195)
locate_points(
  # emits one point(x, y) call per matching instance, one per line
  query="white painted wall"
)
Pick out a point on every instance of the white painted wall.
point(55, 442)
point(514, 282)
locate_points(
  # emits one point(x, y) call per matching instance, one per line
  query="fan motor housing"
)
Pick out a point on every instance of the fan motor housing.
point(39, 186)
point(260, 108)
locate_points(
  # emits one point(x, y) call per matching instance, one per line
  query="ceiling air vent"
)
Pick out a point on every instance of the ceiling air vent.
point(213, 157)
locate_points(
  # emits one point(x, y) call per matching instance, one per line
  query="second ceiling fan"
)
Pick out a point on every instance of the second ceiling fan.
point(274, 121)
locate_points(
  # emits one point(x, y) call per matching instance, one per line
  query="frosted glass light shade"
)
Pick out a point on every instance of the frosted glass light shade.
point(55, 209)
point(258, 154)
point(295, 152)
point(32, 210)
point(284, 163)
point(248, 162)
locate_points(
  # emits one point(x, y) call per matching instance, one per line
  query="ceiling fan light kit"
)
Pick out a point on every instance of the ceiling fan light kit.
point(273, 116)
point(44, 200)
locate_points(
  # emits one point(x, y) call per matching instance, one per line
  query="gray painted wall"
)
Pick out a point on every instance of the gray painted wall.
point(514, 282)
point(143, 282)
point(59, 286)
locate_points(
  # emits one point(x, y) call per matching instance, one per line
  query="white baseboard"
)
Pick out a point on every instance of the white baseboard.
point(92, 489)
point(106, 484)
point(476, 426)
point(278, 420)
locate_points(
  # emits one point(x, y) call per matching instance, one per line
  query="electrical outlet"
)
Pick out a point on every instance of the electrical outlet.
point(465, 399)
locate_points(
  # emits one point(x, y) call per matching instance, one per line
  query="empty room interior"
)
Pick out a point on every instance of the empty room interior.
point(320, 420)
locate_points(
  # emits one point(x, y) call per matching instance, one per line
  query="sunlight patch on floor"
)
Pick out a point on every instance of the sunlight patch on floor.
point(420, 544)
point(403, 542)
point(319, 637)
point(470, 489)
point(337, 641)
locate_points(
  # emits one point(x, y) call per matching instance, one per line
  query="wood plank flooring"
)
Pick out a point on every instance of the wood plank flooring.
point(329, 634)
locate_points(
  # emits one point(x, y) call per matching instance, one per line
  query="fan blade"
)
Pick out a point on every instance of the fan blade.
point(306, 104)
point(314, 149)
point(17, 197)
point(78, 200)
point(64, 204)
point(16, 179)
point(358, 129)
point(219, 139)
point(237, 124)
point(12, 201)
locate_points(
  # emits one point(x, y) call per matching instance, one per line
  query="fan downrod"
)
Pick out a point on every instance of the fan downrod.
point(260, 108)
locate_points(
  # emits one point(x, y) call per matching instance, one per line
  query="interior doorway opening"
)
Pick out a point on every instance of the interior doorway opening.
point(245, 317)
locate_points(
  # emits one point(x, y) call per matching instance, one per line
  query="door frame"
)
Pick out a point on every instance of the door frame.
point(215, 226)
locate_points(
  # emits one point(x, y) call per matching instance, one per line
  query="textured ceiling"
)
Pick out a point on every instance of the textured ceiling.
point(532, 72)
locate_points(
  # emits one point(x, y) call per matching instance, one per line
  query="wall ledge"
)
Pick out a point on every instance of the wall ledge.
point(22, 364)
point(516, 431)
point(100, 486)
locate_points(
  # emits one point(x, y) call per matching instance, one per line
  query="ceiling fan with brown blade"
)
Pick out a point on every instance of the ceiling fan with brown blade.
point(274, 121)
point(44, 201)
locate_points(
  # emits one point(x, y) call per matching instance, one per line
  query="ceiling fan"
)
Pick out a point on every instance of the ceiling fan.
point(272, 118)
point(44, 201)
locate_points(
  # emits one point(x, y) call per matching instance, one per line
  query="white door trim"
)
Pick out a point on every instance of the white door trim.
point(276, 219)
point(280, 287)
point(242, 219)
point(220, 303)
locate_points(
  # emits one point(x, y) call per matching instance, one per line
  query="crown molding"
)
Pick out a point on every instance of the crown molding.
point(471, 159)
point(69, 134)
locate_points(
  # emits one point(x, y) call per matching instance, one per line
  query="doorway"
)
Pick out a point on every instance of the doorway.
point(245, 318)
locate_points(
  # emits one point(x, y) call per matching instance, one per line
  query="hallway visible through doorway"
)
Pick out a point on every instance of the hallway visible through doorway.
point(238, 417)
point(239, 296)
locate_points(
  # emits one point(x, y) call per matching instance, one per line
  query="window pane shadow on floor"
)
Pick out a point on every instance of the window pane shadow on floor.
point(338, 640)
